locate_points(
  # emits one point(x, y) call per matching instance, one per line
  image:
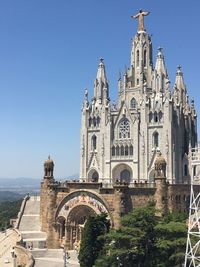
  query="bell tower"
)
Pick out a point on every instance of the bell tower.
point(141, 55)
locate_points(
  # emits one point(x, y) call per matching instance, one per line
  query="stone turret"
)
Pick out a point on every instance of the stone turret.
point(48, 168)
point(161, 185)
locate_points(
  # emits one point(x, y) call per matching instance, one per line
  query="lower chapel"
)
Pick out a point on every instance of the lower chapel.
point(132, 152)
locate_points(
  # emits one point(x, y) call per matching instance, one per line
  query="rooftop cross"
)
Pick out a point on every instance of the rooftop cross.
point(141, 15)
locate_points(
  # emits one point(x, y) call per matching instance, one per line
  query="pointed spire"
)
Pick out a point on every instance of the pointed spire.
point(119, 75)
point(101, 82)
point(160, 62)
point(179, 79)
point(180, 85)
point(101, 73)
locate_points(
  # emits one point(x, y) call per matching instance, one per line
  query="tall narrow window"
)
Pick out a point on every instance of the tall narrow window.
point(122, 150)
point(94, 121)
point(131, 150)
point(98, 121)
point(195, 170)
point(137, 58)
point(113, 151)
point(133, 103)
point(156, 117)
point(156, 139)
point(126, 150)
point(185, 170)
point(150, 117)
point(117, 151)
point(94, 142)
point(145, 58)
point(90, 121)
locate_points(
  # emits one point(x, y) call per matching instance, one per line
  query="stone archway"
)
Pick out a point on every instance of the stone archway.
point(75, 209)
point(122, 173)
point(93, 176)
point(75, 223)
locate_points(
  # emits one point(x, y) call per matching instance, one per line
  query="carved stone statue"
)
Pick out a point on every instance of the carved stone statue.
point(141, 15)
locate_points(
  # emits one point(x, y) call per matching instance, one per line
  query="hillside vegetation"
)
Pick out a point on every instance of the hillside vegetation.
point(8, 210)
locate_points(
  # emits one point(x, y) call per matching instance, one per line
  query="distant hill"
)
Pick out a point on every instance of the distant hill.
point(29, 182)
point(19, 182)
point(10, 196)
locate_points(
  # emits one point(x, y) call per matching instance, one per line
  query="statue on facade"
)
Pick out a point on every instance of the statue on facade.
point(141, 15)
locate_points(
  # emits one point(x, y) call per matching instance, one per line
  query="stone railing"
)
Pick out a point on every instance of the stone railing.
point(24, 257)
point(20, 213)
point(131, 185)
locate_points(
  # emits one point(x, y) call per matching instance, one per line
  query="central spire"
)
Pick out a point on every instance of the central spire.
point(140, 17)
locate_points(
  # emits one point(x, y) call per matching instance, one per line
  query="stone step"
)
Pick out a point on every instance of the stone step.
point(48, 253)
point(33, 235)
point(29, 222)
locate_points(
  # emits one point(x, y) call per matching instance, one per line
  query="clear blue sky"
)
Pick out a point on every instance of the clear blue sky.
point(49, 52)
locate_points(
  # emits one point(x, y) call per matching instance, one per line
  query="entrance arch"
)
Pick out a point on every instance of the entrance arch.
point(75, 209)
point(93, 176)
point(122, 173)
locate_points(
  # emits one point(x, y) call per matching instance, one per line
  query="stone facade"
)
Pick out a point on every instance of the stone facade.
point(121, 163)
point(120, 141)
point(66, 205)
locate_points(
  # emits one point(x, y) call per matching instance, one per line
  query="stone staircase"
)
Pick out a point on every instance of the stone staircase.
point(29, 225)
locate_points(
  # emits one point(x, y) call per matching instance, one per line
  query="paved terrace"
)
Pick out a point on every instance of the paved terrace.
point(7, 241)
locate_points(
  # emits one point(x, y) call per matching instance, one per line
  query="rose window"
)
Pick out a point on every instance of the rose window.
point(124, 129)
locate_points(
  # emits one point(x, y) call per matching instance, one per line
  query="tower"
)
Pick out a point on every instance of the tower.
point(192, 256)
point(120, 142)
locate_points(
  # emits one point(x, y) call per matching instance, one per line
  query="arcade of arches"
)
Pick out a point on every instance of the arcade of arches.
point(73, 214)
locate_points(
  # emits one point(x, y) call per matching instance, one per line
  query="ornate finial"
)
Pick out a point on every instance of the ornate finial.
point(86, 94)
point(49, 157)
point(141, 15)
point(179, 70)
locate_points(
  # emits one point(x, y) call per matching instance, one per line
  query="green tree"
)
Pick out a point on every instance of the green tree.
point(145, 240)
point(133, 243)
point(91, 244)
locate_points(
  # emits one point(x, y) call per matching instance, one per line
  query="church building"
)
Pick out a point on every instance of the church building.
point(132, 152)
point(120, 141)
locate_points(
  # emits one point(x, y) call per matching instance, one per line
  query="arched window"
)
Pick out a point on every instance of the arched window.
point(131, 150)
point(138, 81)
point(113, 151)
point(156, 117)
point(133, 103)
point(126, 151)
point(150, 117)
point(125, 176)
point(145, 58)
point(94, 121)
point(94, 142)
point(117, 151)
point(160, 116)
point(98, 121)
point(90, 121)
point(156, 139)
point(122, 150)
point(95, 177)
point(137, 58)
point(124, 129)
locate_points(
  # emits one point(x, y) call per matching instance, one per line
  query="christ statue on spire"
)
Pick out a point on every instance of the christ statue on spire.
point(141, 15)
